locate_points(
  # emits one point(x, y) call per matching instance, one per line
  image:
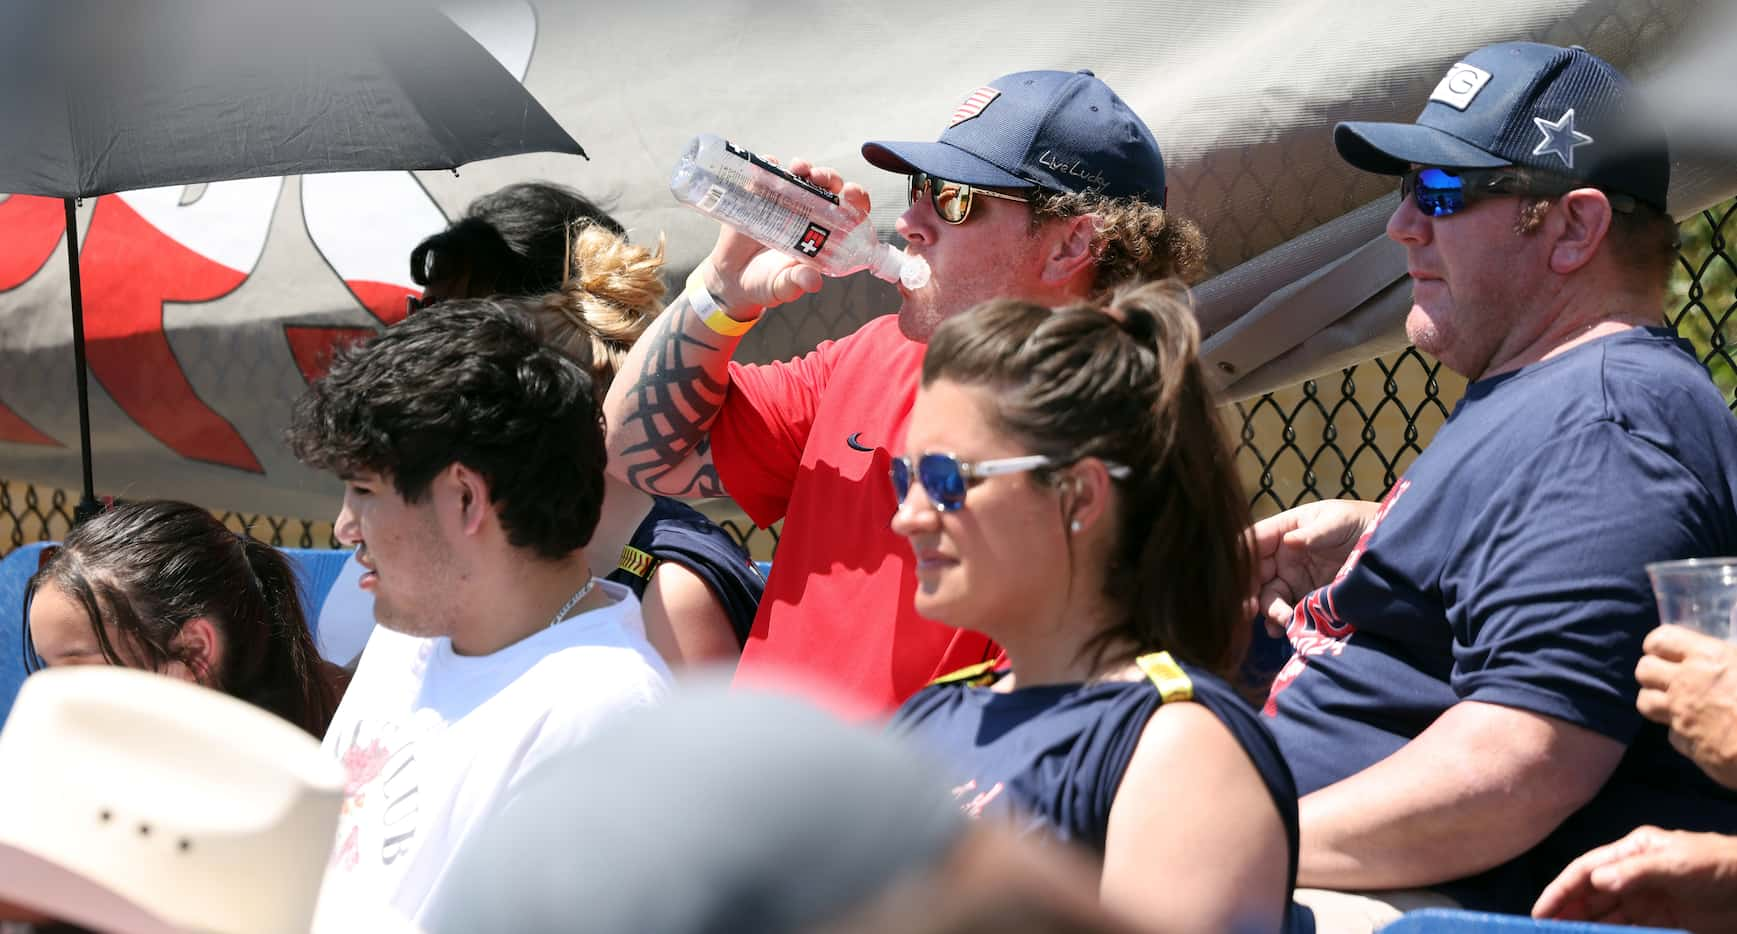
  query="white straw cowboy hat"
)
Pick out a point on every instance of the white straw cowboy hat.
point(132, 802)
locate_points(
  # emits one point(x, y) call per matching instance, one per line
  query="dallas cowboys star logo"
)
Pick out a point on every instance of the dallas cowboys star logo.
point(1560, 138)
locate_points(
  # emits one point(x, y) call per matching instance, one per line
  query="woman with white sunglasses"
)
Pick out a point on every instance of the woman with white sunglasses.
point(1067, 491)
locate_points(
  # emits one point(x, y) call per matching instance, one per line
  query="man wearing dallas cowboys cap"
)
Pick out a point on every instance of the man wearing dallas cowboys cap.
point(1044, 186)
point(1460, 712)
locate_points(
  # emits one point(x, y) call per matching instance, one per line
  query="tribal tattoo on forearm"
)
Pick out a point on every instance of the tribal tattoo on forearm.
point(678, 393)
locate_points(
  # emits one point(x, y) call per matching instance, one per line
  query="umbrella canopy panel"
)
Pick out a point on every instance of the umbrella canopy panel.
point(99, 96)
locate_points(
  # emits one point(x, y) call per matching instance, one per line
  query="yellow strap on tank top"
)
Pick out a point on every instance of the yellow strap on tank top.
point(636, 562)
point(970, 673)
point(1168, 677)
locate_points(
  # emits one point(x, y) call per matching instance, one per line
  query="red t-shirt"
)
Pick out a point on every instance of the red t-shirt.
point(809, 441)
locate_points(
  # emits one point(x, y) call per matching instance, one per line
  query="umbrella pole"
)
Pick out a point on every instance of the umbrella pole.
point(87, 504)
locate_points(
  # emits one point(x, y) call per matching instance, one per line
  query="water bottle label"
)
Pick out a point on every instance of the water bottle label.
point(769, 218)
point(802, 183)
point(813, 239)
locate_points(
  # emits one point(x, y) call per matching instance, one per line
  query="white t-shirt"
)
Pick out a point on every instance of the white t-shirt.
point(431, 741)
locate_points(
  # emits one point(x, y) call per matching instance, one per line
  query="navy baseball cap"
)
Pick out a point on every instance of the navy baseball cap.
point(1561, 110)
point(1060, 130)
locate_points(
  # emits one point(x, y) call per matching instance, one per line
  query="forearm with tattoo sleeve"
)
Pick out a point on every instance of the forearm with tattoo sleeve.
point(666, 396)
point(663, 402)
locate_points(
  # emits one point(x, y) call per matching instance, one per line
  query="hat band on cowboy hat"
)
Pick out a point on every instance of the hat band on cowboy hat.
point(1062, 131)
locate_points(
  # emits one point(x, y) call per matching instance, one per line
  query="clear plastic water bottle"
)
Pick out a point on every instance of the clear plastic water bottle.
point(788, 214)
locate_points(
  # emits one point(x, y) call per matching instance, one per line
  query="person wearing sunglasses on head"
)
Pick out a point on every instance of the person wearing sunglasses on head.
point(1460, 714)
point(515, 240)
point(1044, 186)
point(1068, 492)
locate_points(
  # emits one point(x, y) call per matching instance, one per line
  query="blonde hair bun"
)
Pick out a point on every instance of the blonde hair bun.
point(612, 291)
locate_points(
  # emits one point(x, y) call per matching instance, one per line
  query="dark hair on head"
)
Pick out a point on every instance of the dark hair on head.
point(1121, 381)
point(142, 570)
point(513, 241)
point(467, 382)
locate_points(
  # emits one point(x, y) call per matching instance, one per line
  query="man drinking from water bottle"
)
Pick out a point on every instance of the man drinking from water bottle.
point(1044, 186)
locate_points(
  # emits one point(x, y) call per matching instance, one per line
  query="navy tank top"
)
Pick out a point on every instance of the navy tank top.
point(1050, 758)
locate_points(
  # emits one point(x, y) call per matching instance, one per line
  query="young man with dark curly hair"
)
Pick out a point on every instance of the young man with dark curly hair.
point(472, 456)
point(1044, 186)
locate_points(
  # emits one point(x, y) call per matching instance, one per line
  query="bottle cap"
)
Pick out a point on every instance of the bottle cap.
point(889, 263)
point(915, 273)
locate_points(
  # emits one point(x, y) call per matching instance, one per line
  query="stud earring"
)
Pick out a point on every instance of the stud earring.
point(1074, 527)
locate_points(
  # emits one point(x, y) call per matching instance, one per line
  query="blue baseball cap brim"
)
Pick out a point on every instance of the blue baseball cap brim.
point(1393, 148)
point(942, 160)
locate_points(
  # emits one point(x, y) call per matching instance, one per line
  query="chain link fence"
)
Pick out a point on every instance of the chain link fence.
point(1348, 435)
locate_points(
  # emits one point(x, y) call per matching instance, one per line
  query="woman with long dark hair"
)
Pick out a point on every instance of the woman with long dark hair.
point(164, 586)
point(1068, 492)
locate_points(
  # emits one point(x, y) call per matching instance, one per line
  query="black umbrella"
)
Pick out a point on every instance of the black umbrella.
point(100, 96)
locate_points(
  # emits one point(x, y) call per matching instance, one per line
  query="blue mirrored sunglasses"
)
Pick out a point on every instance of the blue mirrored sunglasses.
point(946, 478)
point(1445, 192)
point(1438, 192)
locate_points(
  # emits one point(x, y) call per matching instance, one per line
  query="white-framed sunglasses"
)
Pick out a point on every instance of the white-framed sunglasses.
point(947, 479)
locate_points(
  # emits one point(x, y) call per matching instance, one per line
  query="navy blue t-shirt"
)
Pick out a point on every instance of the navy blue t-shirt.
point(1506, 567)
point(674, 531)
point(1050, 758)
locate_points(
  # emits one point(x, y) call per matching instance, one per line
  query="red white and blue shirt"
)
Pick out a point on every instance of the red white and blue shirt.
point(1507, 567)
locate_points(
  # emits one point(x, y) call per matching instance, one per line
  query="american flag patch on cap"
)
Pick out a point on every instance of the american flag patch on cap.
point(973, 104)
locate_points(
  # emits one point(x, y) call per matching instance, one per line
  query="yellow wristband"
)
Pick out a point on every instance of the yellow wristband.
point(712, 315)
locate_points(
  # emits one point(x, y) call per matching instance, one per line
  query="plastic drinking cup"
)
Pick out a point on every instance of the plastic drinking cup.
point(1700, 593)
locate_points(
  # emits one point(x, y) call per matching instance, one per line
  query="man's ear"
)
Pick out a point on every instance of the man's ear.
point(1577, 225)
point(1070, 249)
point(199, 646)
point(469, 491)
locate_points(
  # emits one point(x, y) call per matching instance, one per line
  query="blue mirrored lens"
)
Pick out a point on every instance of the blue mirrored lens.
point(1439, 193)
point(941, 478)
point(901, 473)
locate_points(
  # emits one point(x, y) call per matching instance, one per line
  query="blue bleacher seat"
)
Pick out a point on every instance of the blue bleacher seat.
point(316, 570)
point(1449, 921)
point(15, 571)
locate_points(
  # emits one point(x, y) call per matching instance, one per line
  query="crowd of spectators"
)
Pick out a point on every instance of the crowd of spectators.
point(995, 679)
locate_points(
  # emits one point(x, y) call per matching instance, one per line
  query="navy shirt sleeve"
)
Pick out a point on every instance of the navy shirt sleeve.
point(1550, 600)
